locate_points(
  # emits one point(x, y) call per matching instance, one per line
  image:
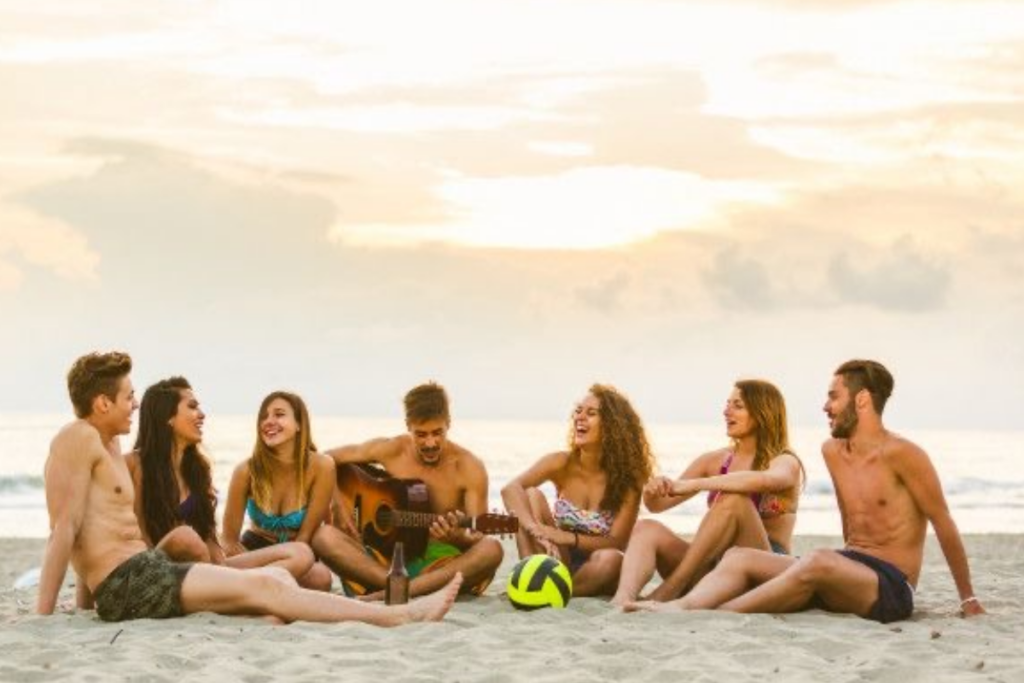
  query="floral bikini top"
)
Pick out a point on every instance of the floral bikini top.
point(590, 522)
point(769, 505)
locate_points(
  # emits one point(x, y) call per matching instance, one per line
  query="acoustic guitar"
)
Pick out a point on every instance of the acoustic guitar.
point(386, 509)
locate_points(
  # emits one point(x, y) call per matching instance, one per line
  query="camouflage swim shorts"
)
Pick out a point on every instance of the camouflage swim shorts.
point(145, 586)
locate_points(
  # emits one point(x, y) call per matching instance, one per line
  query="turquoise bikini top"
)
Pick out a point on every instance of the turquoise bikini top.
point(279, 525)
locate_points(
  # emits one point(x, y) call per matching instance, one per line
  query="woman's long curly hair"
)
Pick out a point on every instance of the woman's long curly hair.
point(262, 462)
point(766, 406)
point(155, 447)
point(626, 456)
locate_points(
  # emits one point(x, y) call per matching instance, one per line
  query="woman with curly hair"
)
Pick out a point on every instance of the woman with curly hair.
point(285, 487)
point(175, 501)
point(597, 481)
point(753, 490)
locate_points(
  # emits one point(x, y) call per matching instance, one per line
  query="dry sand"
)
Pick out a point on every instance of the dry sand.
point(485, 639)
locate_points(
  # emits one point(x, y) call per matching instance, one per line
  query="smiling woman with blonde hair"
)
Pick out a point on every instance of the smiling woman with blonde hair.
point(597, 482)
point(285, 486)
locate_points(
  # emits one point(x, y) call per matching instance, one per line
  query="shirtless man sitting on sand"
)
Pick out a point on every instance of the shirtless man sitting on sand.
point(89, 496)
point(456, 483)
point(888, 492)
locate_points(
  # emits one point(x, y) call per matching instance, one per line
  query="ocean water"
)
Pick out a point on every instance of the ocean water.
point(982, 472)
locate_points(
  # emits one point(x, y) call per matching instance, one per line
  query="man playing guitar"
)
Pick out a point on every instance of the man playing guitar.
point(457, 484)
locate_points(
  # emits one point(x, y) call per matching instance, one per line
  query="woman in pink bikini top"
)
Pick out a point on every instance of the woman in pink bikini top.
point(753, 491)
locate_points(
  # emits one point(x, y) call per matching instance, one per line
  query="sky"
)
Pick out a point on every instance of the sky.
point(517, 198)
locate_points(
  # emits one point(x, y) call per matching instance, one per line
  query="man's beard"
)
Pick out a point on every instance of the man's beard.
point(430, 456)
point(845, 423)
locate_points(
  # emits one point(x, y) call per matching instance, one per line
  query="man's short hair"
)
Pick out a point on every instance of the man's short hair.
point(426, 402)
point(870, 375)
point(96, 374)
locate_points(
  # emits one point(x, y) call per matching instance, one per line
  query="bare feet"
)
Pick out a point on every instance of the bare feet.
point(433, 607)
point(651, 606)
point(662, 593)
point(620, 601)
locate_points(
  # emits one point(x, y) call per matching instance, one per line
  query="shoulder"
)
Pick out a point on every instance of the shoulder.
point(77, 440)
point(786, 459)
point(321, 463)
point(466, 460)
point(712, 460)
point(558, 459)
point(898, 451)
point(830, 447)
point(391, 446)
point(241, 469)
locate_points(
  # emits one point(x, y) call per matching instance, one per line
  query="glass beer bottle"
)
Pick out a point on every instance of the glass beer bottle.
point(396, 590)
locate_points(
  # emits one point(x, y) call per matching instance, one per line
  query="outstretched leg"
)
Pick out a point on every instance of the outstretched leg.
point(212, 588)
point(838, 583)
point(732, 521)
point(652, 545)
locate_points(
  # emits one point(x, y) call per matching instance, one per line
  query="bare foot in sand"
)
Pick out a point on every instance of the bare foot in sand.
point(651, 606)
point(433, 607)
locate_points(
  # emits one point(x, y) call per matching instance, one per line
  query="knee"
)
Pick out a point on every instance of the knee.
point(815, 565)
point(646, 529)
point(732, 502)
point(318, 578)
point(183, 544)
point(280, 575)
point(323, 539)
point(300, 557)
point(737, 557)
point(491, 552)
point(606, 560)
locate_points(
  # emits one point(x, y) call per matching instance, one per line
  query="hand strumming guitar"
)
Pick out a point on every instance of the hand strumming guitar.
point(447, 529)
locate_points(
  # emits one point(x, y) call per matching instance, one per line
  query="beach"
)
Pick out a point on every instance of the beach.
point(485, 639)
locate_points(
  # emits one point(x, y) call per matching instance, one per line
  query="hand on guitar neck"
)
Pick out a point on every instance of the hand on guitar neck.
point(385, 510)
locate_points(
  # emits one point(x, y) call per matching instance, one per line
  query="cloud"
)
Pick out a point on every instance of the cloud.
point(741, 282)
point(900, 279)
point(144, 203)
point(46, 244)
point(606, 294)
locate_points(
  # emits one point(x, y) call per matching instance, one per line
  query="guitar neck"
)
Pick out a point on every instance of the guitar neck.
point(409, 519)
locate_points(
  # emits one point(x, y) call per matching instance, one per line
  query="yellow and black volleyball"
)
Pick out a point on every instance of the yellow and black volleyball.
point(539, 581)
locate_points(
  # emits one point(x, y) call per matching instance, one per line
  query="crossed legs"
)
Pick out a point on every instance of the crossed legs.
point(346, 557)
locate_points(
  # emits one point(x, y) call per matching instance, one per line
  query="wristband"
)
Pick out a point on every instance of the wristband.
point(967, 600)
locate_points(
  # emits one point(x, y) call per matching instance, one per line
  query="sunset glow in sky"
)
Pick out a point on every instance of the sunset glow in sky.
point(517, 198)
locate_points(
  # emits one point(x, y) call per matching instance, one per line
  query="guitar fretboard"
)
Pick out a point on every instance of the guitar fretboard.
point(407, 518)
